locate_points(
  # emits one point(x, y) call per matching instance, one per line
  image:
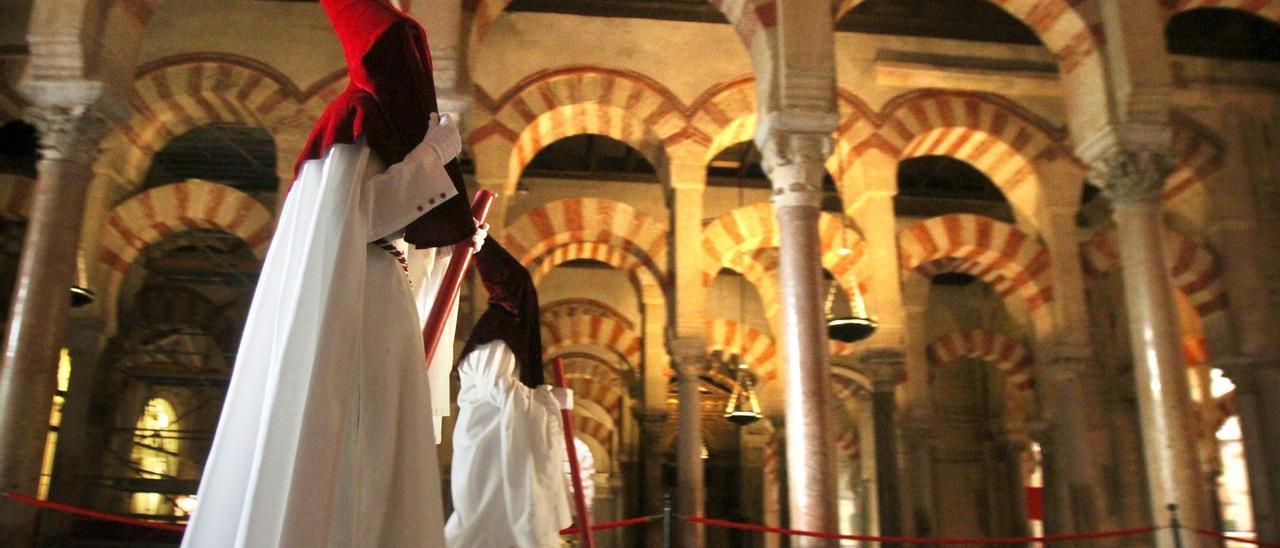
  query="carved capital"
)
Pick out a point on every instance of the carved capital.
point(70, 133)
point(1062, 363)
point(1133, 176)
point(688, 356)
point(884, 367)
point(795, 163)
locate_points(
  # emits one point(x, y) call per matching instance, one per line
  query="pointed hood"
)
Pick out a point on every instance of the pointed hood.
point(389, 98)
point(513, 314)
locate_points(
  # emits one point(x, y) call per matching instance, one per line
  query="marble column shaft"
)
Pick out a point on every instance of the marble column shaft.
point(884, 367)
point(796, 170)
point(41, 302)
point(690, 362)
point(1133, 181)
point(651, 457)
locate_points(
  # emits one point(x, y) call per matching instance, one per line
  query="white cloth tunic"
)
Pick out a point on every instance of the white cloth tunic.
point(326, 434)
point(508, 482)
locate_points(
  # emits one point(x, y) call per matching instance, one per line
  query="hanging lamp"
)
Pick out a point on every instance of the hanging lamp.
point(743, 407)
point(854, 326)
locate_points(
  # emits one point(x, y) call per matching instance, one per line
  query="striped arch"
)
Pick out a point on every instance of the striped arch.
point(755, 348)
point(1006, 354)
point(751, 227)
point(595, 381)
point(562, 333)
point(724, 116)
point(16, 193)
point(1197, 156)
point(575, 306)
point(1193, 267)
point(994, 136)
point(534, 238)
point(1060, 25)
point(1266, 9)
point(173, 96)
point(553, 105)
point(616, 257)
point(162, 211)
point(748, 17)
point(1012, 262)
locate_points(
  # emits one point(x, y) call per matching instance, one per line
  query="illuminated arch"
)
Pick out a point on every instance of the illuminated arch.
point(1008, 355)
point(1012, 262)
point(162, 211)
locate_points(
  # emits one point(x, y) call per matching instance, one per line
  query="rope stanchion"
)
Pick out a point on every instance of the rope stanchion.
point(1233, 538)
point(613, 524)
point(920, 540)
point(84, 512)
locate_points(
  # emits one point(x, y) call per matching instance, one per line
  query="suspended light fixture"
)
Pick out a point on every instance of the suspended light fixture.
point(743, 407)
point(851, 326)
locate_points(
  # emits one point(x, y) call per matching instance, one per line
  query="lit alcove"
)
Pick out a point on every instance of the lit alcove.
point(155, 455)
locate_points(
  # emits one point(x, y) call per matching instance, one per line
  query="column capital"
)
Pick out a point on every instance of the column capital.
point(1132, 175)
point(795, 147)
point(68, 132)
point(883, 366)
point(688, 355)
point(1064, 362)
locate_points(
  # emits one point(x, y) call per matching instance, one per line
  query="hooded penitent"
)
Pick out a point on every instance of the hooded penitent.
point(388, 101)
point(512, 316)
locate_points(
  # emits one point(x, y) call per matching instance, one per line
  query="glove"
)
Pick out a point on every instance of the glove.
point(478, 239)
point(442, 138)
point(564, 397)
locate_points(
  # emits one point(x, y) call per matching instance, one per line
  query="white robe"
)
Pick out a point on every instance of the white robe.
point(508, 482)
point(326, 434)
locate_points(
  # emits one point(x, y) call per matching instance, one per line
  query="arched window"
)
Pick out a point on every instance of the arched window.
point(155, 454)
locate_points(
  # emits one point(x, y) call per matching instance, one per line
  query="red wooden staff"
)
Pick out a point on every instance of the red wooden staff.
point(579, 496)
point(452, 282)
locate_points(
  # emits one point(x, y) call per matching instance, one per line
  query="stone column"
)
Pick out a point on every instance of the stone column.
point(1259, 414)
point(884, 367)
point(1073, 489)
point(82, 431)
point(651, 454)
point(794, 161)
point(868, 491)
point(1133, 179)
point(689, 357)
point(28, 374)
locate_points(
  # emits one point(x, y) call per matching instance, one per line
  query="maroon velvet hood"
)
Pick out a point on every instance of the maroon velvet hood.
point(388, 101)
point(513, 311)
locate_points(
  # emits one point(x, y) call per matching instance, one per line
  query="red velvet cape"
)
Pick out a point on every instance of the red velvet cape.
point(388, 101)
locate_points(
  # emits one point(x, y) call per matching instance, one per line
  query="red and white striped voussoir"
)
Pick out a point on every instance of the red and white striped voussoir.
point(1007, 354)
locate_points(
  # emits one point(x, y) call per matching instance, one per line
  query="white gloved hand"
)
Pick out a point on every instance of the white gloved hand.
point(442, 137)
point(478, 239)
point(564, 397)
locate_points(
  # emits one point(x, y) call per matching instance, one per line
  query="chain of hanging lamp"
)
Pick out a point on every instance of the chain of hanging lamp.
point(743, 407)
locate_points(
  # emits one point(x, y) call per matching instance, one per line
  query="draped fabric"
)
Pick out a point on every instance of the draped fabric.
point(325, 437)
point(513, 313)
point(508, 481)
point(388, 100)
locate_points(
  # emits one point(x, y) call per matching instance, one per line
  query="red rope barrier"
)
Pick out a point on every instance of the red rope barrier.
point(612, 524)
point(921, 540)
point(1233, 538)
point(75, 510)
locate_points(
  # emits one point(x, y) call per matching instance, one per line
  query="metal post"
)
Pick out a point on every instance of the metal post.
point(1175, 526)
point(666, 521)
